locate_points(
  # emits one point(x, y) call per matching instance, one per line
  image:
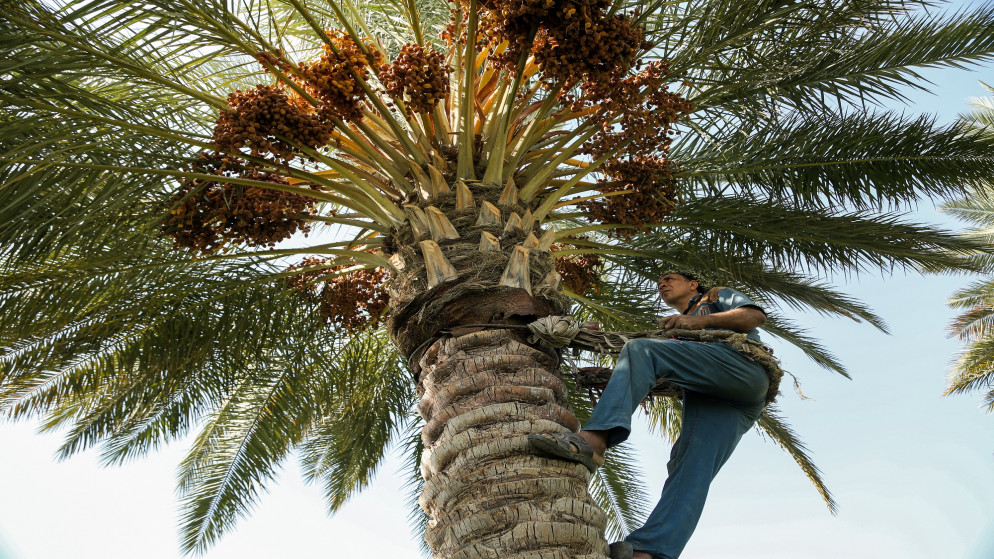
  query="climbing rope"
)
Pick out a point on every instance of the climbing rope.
point(563, 331)
point(558, 332)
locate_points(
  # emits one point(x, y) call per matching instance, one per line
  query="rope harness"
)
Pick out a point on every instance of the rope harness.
point(563, 331)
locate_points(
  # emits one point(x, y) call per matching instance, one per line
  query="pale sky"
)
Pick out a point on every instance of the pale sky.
point(913, 472)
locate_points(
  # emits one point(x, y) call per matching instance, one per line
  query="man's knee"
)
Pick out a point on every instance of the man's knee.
point(642, 344)
point(637, 363)
point(643, 348)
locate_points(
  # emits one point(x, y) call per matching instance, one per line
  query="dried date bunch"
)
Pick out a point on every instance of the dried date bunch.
point(514, 21)
point(206, 216)
point(583, 45)
point(653, 194)
point(579, 272)
point(637, 112)
point(333, 79)
point(419, 74)
point(350, 300)
point(267, 121)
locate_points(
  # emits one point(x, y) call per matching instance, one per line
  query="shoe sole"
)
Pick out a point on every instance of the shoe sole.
point(553, 449)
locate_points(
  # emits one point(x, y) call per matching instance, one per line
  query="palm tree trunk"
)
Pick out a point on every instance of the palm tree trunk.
point(487, 493)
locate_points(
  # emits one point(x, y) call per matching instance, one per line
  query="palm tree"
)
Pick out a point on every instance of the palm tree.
point(973, 370)
point(163, 162)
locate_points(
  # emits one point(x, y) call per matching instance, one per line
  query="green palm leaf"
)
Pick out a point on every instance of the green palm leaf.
point(780, 433)
point(369, 399)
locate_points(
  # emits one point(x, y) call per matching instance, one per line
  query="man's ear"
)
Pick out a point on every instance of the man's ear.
point(696, 285)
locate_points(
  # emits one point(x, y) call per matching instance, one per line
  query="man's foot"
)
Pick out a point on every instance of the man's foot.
point(621, 550)
point(597, 441)
point(624, 550)
point(568, 446)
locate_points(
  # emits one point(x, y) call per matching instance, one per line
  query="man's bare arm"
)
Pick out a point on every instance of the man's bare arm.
point(741, 319)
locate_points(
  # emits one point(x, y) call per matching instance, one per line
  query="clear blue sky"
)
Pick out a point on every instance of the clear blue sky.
point(913, 472)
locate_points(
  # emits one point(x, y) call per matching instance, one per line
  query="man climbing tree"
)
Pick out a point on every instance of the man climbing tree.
point(724, 393)
point(491, 162)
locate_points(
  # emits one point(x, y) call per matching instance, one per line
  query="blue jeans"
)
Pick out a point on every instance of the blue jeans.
point(724, 394)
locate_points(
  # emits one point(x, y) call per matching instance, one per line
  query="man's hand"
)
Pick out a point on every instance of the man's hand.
point(683, 322)
point(741, 319)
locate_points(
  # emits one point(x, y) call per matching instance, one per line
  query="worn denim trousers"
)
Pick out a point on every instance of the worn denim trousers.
point(724, 394)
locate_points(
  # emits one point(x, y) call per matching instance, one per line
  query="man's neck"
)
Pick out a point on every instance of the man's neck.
point(682, 304)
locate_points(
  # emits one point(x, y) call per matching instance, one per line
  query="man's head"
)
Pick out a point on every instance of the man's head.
point(678, 287)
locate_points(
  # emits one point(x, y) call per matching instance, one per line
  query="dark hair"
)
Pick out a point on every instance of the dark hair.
point(690, 276)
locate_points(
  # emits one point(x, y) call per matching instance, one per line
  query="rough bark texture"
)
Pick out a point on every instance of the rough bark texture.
point(486, 491)
point(461, 263)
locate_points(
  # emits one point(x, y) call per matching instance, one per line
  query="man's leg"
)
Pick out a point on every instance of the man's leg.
point(711, 429)
point(611, 419)
point(725, 395)
point(714, 369)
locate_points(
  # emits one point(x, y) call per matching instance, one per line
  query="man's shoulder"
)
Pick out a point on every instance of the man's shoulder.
point(711, 301)
point(728, 299)
point(715, 293)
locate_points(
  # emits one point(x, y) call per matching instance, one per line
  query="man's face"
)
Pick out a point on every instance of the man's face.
point(674, 287)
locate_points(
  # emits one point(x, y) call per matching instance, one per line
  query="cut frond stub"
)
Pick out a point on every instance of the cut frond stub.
point(513, 223)
point(418, 220)
point(517, 273)
point(488, 242)
point(489, 215)
point(439, 225)
point(509, 195)
point(464, 198)
point(437, 266)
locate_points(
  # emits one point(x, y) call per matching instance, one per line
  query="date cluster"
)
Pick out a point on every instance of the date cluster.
point(350, 301)
point(419, 76)
point(269, 123)
point(578, 272)
point(651, 194)
point(333, 78)
point(207, 215)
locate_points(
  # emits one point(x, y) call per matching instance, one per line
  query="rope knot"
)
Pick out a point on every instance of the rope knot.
point(553, 331)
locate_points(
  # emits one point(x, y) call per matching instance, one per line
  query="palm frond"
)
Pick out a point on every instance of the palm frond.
point(786, 330)
point(771, 424)
point(240, 448)
point(858, 160)
point(974, 325)
point(976, 293)
point(974, 369)
point(369, 397)
point(665, 417)
point(617, 487)
point(411, 448)
point(815, 54)
point(134, 380)
point(976, 208)
point(790, 239)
